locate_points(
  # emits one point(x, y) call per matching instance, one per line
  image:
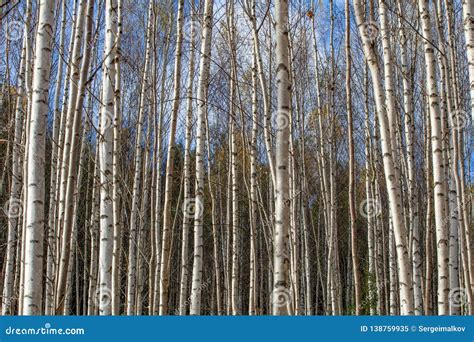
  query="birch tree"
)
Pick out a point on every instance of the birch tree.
point(439, 190)
point(165, 254)
point(281, 293)
point(134, 227)
point(201, 99)
point(187, 171)
point(352, 209)
point(391, 176)
point(105, 162)
point(34, 232)
point(328, 179)
point(468, 18)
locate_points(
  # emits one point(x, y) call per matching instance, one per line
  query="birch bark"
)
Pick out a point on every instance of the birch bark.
point(391, 176)
point(204, 66)
point(34, 232)
point(106, 161)
point(281, 296)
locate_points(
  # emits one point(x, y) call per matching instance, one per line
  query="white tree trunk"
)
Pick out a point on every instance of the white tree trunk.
point(204, 66)
point(265, 96)
point(65, 199)
point(281, 296)
point(391, 176)
point(215, 238)
point(352, 205)
point(439, 190)
point(106, 161)
point(74, 151)
point(410, 158)
point(157, 271)
point(51, 238)
point(167, 219)
point(93, 294)
point(134, 227)
point(33, 262)
point(253, 187)
point(183, 291)
point(117, 249)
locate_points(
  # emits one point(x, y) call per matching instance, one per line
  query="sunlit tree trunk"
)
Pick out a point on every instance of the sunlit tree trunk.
point(64, 228)
point(234, 227)
point(446, 107)
point(167, 219)
point(117, 248)
point(137, 189)
point(408, 106)
point(281, 297)
point(94, 220)
point(215, 236)
point(183, 291)
point(439, 190)
point(253, 187)
point(391, 176)
point(204, 65)
point(33, 262)
point(106, 240)
point(352, 208)
point(458, 119)
point(75, 143)
point(29, 66)
point(265, 96)
point(51, 243)
point(158, 168)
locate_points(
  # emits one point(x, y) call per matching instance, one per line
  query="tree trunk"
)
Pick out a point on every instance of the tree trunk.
point(391, 175)
point(281, 295)
point(134, 227)
point(15, 209)
point(468, 18)
point(204, 65)
point(352, 206)
point(33, 262)
point(439, 190)
point(183, 291)
point(165, 254)
point(106, 162)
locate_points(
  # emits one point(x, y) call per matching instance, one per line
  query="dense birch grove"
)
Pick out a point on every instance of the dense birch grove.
point(247, 157)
